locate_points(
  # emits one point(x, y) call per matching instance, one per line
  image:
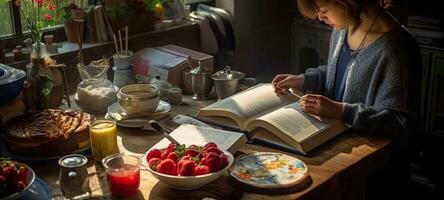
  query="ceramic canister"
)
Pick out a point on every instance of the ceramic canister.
point(122, 77)
point(73, 174)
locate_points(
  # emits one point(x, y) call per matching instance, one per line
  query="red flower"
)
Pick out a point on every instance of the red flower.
point(17, 3)
point(51, 7)
point(47, 17)
point(38, 1)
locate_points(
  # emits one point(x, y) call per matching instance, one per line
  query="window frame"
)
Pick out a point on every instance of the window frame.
point(18, 36)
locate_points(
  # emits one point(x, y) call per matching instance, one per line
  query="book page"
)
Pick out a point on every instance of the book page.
point(249, 104)
point(189, 134)
point(290, 120)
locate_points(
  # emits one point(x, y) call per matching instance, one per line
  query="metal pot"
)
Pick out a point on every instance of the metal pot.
point(226, 82)
point(201, 84)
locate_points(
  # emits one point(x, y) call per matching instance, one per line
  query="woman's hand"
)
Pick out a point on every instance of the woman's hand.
point(322, 106)
point(282, 82)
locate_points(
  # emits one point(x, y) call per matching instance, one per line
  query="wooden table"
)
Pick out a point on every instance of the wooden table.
point(337, 169)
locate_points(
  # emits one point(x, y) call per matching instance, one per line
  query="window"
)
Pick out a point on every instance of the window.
point(58, 16)
point(9, 19)
point(5, 19)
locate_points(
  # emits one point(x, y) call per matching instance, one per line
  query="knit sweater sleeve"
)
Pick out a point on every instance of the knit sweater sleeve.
point(391, 109)
point(371, 121)
point(314, 79)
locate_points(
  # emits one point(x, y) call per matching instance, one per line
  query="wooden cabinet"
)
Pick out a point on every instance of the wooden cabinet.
point(433, 91)
point(310, 42)
point(263, 36)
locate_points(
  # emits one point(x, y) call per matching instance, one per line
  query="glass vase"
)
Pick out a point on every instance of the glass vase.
point(39, 76)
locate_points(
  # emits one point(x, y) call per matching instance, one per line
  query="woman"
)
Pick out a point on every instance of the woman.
point(372, 79)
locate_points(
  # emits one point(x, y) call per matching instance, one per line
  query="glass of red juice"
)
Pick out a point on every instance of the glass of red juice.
point(122, 174)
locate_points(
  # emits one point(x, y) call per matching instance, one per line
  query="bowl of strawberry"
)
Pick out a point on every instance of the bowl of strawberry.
point(15, 179)
point(188, 168)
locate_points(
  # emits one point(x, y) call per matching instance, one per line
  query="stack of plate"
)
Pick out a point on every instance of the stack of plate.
point(122, 119)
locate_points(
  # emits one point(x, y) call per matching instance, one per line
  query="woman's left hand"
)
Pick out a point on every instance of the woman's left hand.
point(322, 106)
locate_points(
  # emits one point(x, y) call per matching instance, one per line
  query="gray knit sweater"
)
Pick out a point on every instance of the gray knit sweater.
point(382, 89)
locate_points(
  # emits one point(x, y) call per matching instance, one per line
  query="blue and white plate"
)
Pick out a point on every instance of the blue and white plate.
point(269, 170)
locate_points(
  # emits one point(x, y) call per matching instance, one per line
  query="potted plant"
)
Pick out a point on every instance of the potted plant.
point(138, 15)
point(68, 16)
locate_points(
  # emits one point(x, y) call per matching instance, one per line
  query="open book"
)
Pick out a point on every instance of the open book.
point(190, 134)
point(263, 114)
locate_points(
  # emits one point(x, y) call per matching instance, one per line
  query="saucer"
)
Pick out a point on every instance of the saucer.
point(269, 170)
point(116, 113)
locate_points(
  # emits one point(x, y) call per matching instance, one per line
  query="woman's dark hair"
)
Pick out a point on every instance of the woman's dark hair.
point(353, 8)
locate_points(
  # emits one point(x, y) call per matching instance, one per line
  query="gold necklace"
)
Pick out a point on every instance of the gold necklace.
point(355, 52)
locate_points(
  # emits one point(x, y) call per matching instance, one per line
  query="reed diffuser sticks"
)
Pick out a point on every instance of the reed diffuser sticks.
point(120, 40)
point(121, 51)
point(126, 38)
point(115, 45)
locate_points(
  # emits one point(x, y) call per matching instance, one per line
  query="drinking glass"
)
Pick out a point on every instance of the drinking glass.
point(122, 174)
point(103, 138)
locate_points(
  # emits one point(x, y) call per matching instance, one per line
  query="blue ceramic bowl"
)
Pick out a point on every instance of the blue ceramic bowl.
point(11, 83)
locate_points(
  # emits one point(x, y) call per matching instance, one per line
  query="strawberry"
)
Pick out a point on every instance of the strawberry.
point(203, 160)
point(22, 173)
point(213, 161)
point(182, 160)
point(191, 152)
point(6, 171)
point(165, 154)
point(20, 186)
point(224, 160)
point(186, 168)
point(167, 166)
point(213, 149)
point(210, 144)
point(172, 156)
point(14, 175)
point(186, 157)
point(180, 163)
point(153, 153)
point(170, 147)
point(153, 163)
point(2, 180)
point(201, 169)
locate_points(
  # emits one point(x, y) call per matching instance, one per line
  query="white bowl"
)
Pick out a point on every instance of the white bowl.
point(190, 182)
point(138, 98)
point(29, 179)
point(138, 91)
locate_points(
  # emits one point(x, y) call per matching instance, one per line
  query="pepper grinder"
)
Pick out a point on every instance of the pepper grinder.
point(200, 82)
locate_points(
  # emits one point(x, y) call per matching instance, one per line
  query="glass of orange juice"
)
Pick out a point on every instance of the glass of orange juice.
point(103, 138)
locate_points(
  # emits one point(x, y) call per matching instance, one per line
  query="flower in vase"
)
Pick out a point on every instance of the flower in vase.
point(38, 14)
